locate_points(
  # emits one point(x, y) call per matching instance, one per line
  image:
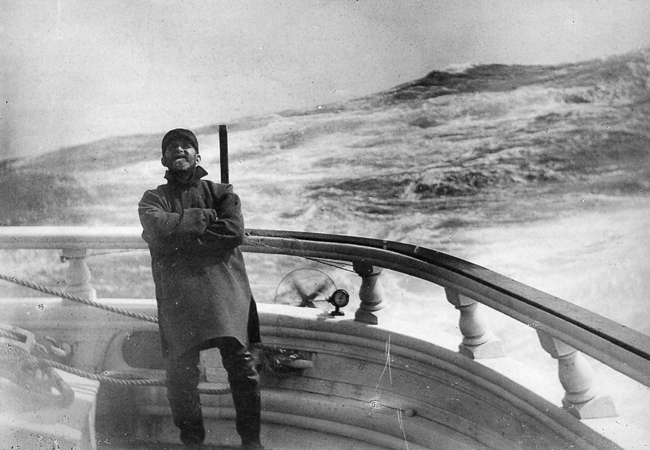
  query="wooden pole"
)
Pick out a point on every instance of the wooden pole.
point(223, 153)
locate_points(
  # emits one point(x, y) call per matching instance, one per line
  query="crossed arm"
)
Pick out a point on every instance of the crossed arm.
point(193, 229)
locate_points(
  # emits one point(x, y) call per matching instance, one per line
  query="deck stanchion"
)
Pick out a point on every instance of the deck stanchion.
point(78, 277)
point(576, 377)
point(478, 342)
point(371, 293)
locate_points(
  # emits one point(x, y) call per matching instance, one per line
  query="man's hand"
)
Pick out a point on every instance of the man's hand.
point(210, 216)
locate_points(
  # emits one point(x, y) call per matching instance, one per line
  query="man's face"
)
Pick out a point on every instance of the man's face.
point(179, 155)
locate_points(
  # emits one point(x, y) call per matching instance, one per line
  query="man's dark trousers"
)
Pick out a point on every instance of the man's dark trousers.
point(183, 376)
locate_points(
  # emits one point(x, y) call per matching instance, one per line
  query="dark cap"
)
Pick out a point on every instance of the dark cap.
point(180, 133)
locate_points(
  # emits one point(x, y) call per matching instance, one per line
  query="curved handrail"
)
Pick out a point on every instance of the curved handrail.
point(617, 346)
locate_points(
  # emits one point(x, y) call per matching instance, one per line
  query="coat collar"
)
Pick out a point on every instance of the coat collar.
point(199, 172)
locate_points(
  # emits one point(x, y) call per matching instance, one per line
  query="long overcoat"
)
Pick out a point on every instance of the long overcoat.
point(202, 290)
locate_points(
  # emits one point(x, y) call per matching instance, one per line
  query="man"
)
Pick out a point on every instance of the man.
point(193, 228)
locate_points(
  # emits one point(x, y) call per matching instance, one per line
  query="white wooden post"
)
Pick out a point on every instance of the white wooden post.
point(371, 293)
point(478, 342)
point(576, 377)
point(78, 276)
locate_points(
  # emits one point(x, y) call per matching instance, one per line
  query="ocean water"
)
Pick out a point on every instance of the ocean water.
point(539, 175)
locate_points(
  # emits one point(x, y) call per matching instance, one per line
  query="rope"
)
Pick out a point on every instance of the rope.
point(108, 379)
point(126, 382)
point(323, 261)
point(327, 262)
point(85, 301)
point(74, 298)
point(35, 376)
point(10, 335)
point(99, 377)
point(89, 375)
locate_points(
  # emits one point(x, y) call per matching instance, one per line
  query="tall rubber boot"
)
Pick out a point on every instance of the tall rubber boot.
point(245, 386)
point(182, 392)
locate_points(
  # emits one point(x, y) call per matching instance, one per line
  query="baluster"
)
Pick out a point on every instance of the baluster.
point(478, 342)
point(576, 377)
point(371, 293)
point(78, 276)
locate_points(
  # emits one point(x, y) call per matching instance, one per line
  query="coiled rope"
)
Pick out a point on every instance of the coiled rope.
point(44, 386)
point(99, 377)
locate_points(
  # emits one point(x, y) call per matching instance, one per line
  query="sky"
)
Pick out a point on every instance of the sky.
point(75, 71)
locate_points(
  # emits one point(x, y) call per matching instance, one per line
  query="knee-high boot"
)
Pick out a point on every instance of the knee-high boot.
point(184, 399)
point(244, 384)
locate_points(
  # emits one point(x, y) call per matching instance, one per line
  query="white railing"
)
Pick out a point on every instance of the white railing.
point(564, 330)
